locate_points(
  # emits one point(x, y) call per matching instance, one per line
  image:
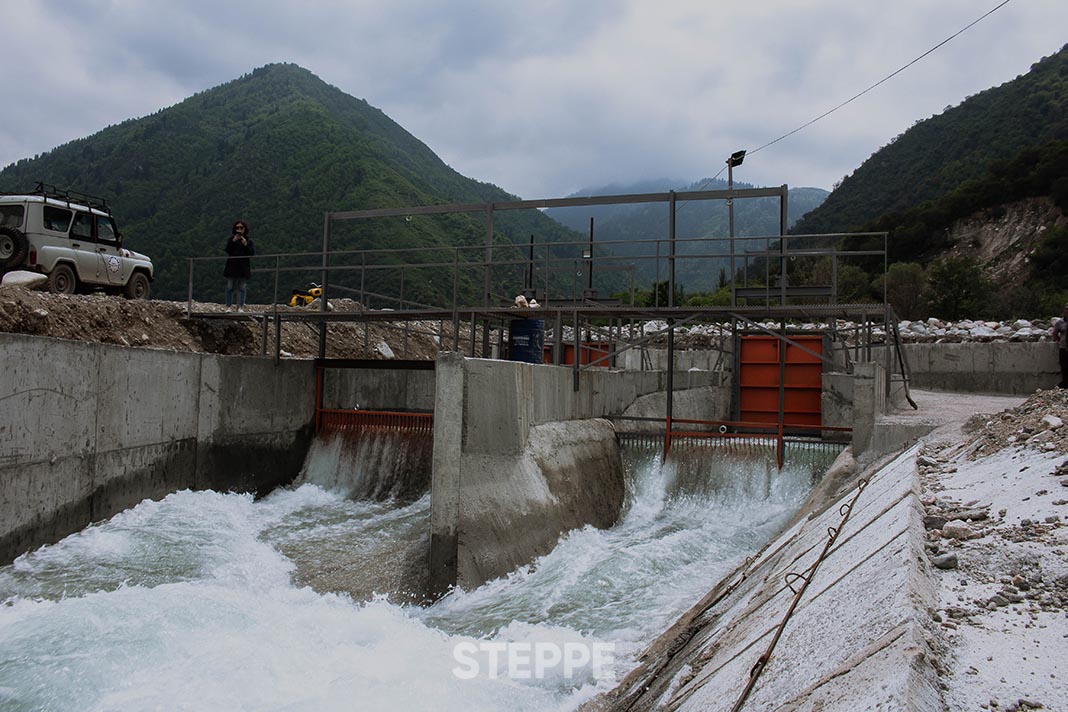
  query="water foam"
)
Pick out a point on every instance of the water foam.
point(190, 602)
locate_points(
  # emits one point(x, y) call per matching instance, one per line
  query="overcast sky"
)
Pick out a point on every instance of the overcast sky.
point(541, 98)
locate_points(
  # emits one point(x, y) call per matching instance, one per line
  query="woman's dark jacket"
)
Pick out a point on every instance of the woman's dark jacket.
point(237, 267)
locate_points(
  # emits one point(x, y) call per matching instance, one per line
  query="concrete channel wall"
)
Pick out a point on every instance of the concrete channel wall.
point(520, 457)
point(379, 389)
point(857, 639)
point(1006, 367)
point(87, 430)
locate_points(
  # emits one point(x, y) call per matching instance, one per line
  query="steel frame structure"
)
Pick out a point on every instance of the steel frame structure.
point(781, 302)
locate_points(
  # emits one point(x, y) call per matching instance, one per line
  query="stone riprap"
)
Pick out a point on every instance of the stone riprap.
point(920, 331)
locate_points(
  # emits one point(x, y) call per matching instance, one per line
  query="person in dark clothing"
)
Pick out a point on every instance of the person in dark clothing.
point(1060, 335)
point(238, 268)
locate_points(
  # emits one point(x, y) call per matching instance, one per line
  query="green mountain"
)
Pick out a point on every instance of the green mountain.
point(937, 155)
point(639, 225)
point(278, 148)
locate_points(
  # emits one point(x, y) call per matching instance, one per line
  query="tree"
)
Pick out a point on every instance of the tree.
point(957, 288)
point(854, 285)
point(906, 284)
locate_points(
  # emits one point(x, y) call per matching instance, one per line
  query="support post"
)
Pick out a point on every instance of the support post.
point(324, 283)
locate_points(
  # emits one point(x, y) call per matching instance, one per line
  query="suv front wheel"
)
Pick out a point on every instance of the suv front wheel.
point(13, 248)
point(137, 287)
point(62, 280)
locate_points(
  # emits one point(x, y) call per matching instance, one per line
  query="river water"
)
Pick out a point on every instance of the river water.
point(195, 602)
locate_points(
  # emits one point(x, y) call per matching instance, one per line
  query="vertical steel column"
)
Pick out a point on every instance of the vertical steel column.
point(189, 304)
point(783, 346)
point(318, 398)
point(888, 360)
point(782, 270)
point(888, 314)
point(671, 251)
point(455, 279)
point(783, 226)
point(275, 300)
point(671, 327)
point(578, 354)
point(324, 283)
point(474, 332)
point(558, 341)
point(589, 265)
point(530, 267)
point(487, 281)
point(784, 220)
point(730, 233)
point(263, 340)
point(277, 337)
point(488, 256)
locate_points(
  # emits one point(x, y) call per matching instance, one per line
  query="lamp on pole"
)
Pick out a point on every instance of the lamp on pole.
point(735, 159)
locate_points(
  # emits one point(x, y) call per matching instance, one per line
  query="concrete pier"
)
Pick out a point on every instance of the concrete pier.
point(89, 430)
point(520, 458)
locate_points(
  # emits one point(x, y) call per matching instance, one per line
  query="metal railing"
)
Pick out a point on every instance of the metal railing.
point(338, 420)
point(732, 433)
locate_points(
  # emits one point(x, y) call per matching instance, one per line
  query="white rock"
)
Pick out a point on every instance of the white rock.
point(383, 349)
point(1052, 422)
point(22, 278)
point(1021, 324)
point(1041, 437)
point(958, 529)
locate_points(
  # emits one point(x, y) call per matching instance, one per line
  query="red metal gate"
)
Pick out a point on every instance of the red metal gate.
point(762, 361)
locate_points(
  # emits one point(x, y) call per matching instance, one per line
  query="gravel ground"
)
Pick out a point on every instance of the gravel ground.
point(995, 494)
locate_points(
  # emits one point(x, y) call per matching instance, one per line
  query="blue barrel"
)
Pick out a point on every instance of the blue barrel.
point(526, 340)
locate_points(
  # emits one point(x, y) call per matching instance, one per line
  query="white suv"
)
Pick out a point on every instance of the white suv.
point(72, 238)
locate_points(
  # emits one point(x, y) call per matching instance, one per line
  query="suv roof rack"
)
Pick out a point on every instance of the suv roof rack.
point(47, 190)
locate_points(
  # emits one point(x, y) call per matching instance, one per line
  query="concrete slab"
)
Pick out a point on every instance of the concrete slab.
point(876, 655)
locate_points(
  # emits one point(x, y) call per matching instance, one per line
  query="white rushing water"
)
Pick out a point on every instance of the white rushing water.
point(189, 603)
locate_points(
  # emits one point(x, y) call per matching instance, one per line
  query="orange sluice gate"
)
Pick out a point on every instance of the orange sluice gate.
point(759, 370)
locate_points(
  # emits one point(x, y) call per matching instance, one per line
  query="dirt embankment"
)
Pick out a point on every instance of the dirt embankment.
point(160, 324)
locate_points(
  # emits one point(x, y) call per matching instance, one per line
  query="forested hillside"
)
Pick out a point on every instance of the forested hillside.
point(278, 148)
point(938, 154)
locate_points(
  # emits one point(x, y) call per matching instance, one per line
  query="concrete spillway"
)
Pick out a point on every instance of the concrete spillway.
point(196, 601)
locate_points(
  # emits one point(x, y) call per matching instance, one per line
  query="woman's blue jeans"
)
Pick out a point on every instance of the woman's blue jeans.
point(242, 289)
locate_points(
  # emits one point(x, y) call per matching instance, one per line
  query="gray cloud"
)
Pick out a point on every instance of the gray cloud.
point(545, 98)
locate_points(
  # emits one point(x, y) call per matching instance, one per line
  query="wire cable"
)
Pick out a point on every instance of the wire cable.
point(886, 78)
point(853, 98)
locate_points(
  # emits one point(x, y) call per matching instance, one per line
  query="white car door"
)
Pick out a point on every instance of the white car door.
point(83, 248)
point(114, 264)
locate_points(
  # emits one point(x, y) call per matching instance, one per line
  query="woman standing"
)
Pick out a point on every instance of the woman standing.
point(238, 268)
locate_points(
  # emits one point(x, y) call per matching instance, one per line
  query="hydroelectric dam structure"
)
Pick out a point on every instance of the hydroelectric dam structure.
point(579, 471)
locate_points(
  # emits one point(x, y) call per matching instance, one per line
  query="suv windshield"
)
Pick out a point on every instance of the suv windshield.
point(11, 215)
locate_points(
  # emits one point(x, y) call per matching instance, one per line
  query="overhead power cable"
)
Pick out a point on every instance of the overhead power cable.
point(853, 98)
point(886, 78)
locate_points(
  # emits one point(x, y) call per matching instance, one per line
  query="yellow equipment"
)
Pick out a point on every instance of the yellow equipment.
point(304, 297)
